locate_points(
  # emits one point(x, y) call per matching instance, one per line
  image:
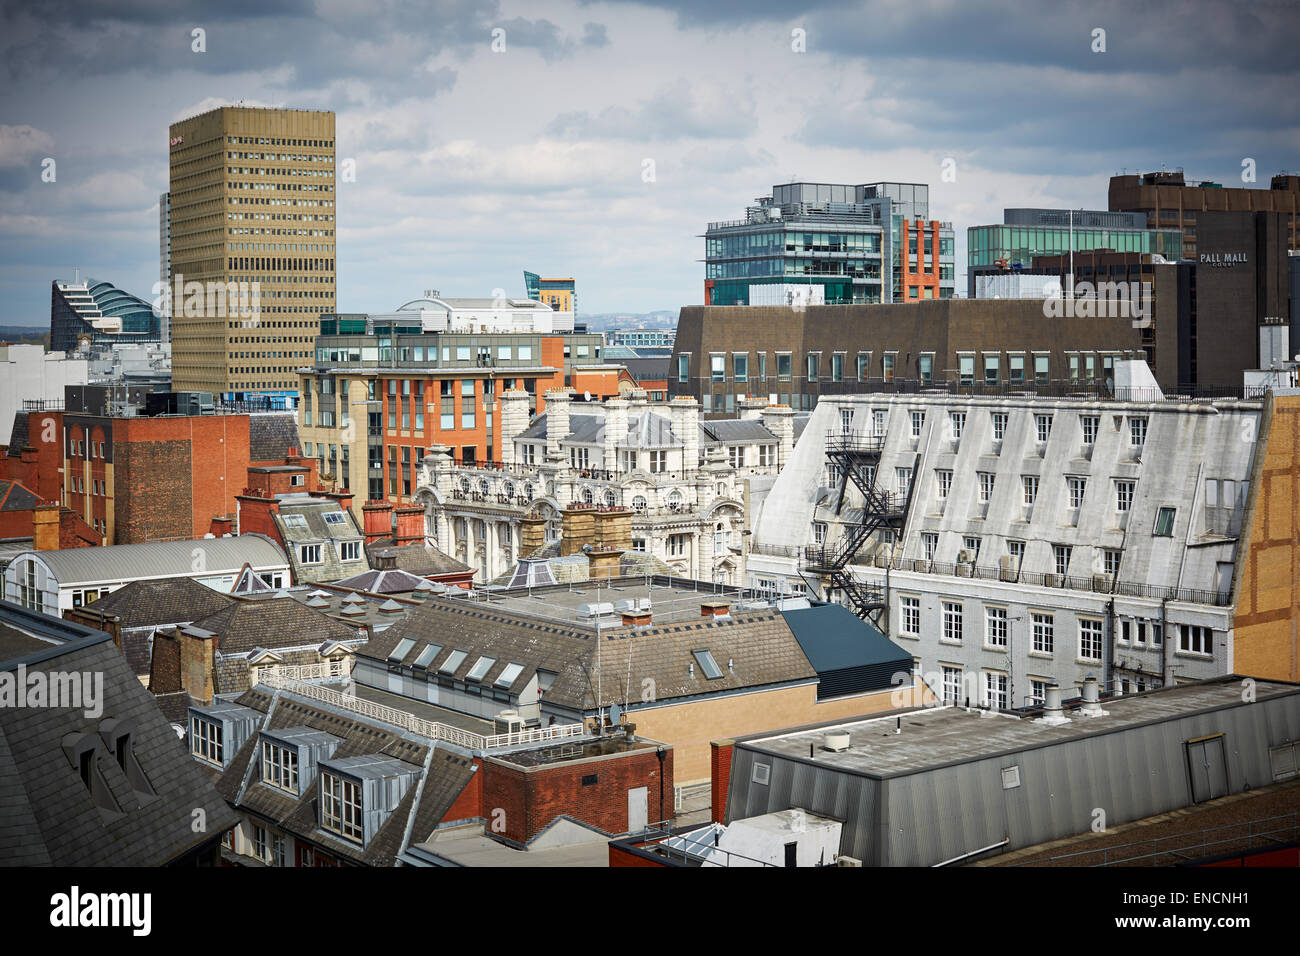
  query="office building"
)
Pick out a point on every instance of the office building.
point(165, 262)
point(98, 313)
point(560, 294)
point(1025, 233)
point(641, 338)
point(794, 356)
point(252, 220)
point(1171, 202)
point(819, 243)
point(428, 374)
point(32, 379)
point(1011, 541)
point(681, 486)
point(949, 786)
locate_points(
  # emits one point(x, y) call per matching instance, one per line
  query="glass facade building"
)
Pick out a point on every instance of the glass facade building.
point(846, 240)
point(1033, 232)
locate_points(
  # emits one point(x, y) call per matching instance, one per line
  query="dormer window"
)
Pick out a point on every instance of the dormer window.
point(205, 741)
point(341, 807)
point(280, 767)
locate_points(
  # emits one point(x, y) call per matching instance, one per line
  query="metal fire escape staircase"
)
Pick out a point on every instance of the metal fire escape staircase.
point(852, 456)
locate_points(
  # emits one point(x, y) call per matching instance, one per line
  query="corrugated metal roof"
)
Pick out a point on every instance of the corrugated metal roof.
point(160, 559)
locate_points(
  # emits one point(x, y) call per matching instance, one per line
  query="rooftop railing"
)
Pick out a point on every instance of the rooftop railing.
point(434, 730)
point(1252, 836)
point(1097, 583)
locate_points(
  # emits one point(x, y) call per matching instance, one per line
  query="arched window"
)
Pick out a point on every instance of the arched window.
point(588, 496)
point(639, 503)
point(610, 498)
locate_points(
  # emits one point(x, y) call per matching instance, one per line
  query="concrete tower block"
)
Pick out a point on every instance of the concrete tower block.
point(557, 422)
point(779, 420)
point(616, 410)
point(514, 421)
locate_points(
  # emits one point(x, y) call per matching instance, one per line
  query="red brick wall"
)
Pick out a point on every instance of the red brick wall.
point(620, 857)
point(470, 802)
point(255, 517)
point(152, 487)
point(720, 776)
point(532, 799)
point(177, 473)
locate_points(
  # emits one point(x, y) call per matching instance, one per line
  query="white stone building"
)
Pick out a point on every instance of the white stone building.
point(1041, 539)
point(686, 482)
point(28, 373)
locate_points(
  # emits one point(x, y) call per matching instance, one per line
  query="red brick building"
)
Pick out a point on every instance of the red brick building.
point(138, 478)
point(24, 514)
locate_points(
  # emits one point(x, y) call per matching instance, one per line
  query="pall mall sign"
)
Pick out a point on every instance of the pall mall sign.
point(1221, 260)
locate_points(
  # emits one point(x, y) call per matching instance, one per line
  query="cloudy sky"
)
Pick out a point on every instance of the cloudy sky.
point(605, 135)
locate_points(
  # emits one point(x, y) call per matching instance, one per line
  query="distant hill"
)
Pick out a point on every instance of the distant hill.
point(603, 321)
point(25, 334)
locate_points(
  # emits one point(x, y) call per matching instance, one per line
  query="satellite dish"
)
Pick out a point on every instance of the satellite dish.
point(615, 713)
point(586, 396)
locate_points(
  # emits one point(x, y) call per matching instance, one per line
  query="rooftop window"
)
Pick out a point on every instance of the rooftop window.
point(480, 668)
point(707, 664)
point(509, 675)
point(453, 661)
point(402, 649)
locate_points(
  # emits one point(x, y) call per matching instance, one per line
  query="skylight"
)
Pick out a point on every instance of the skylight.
point(429, 653)
point(509, 675)
point(707, 664)
point(400, 651)
point(453, 661)
point(333, 517)
point(480, 668)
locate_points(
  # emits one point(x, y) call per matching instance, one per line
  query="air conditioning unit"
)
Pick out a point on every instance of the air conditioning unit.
point(1007, 568)
point(1101, 582)
point(836, 741)
point(965, 557)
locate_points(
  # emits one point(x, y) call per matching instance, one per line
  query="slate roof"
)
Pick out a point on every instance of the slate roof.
point(415, 558)
point(382, 582)
point(651, 429)
point(272, 622)
point(16, 497)
point(18, 435)
point(850, 655)
point(271, 435)
point(160, 601)
point(47, 815)
point(643, 369)
point(420, 809)
point(301, 520)
point(732, 430)
point(760, 644)
point(158, 559)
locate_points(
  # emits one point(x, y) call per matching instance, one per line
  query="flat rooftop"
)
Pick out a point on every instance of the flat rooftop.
point(675, 602)
point(577, 750)
point(934, 737)
point(425, 711)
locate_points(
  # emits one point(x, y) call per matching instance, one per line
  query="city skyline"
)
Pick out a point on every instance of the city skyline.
point(503, 137)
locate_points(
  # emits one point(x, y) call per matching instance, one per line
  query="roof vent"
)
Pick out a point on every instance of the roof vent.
point(836, 741)
point(1092, 699)
point(1052, 712)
